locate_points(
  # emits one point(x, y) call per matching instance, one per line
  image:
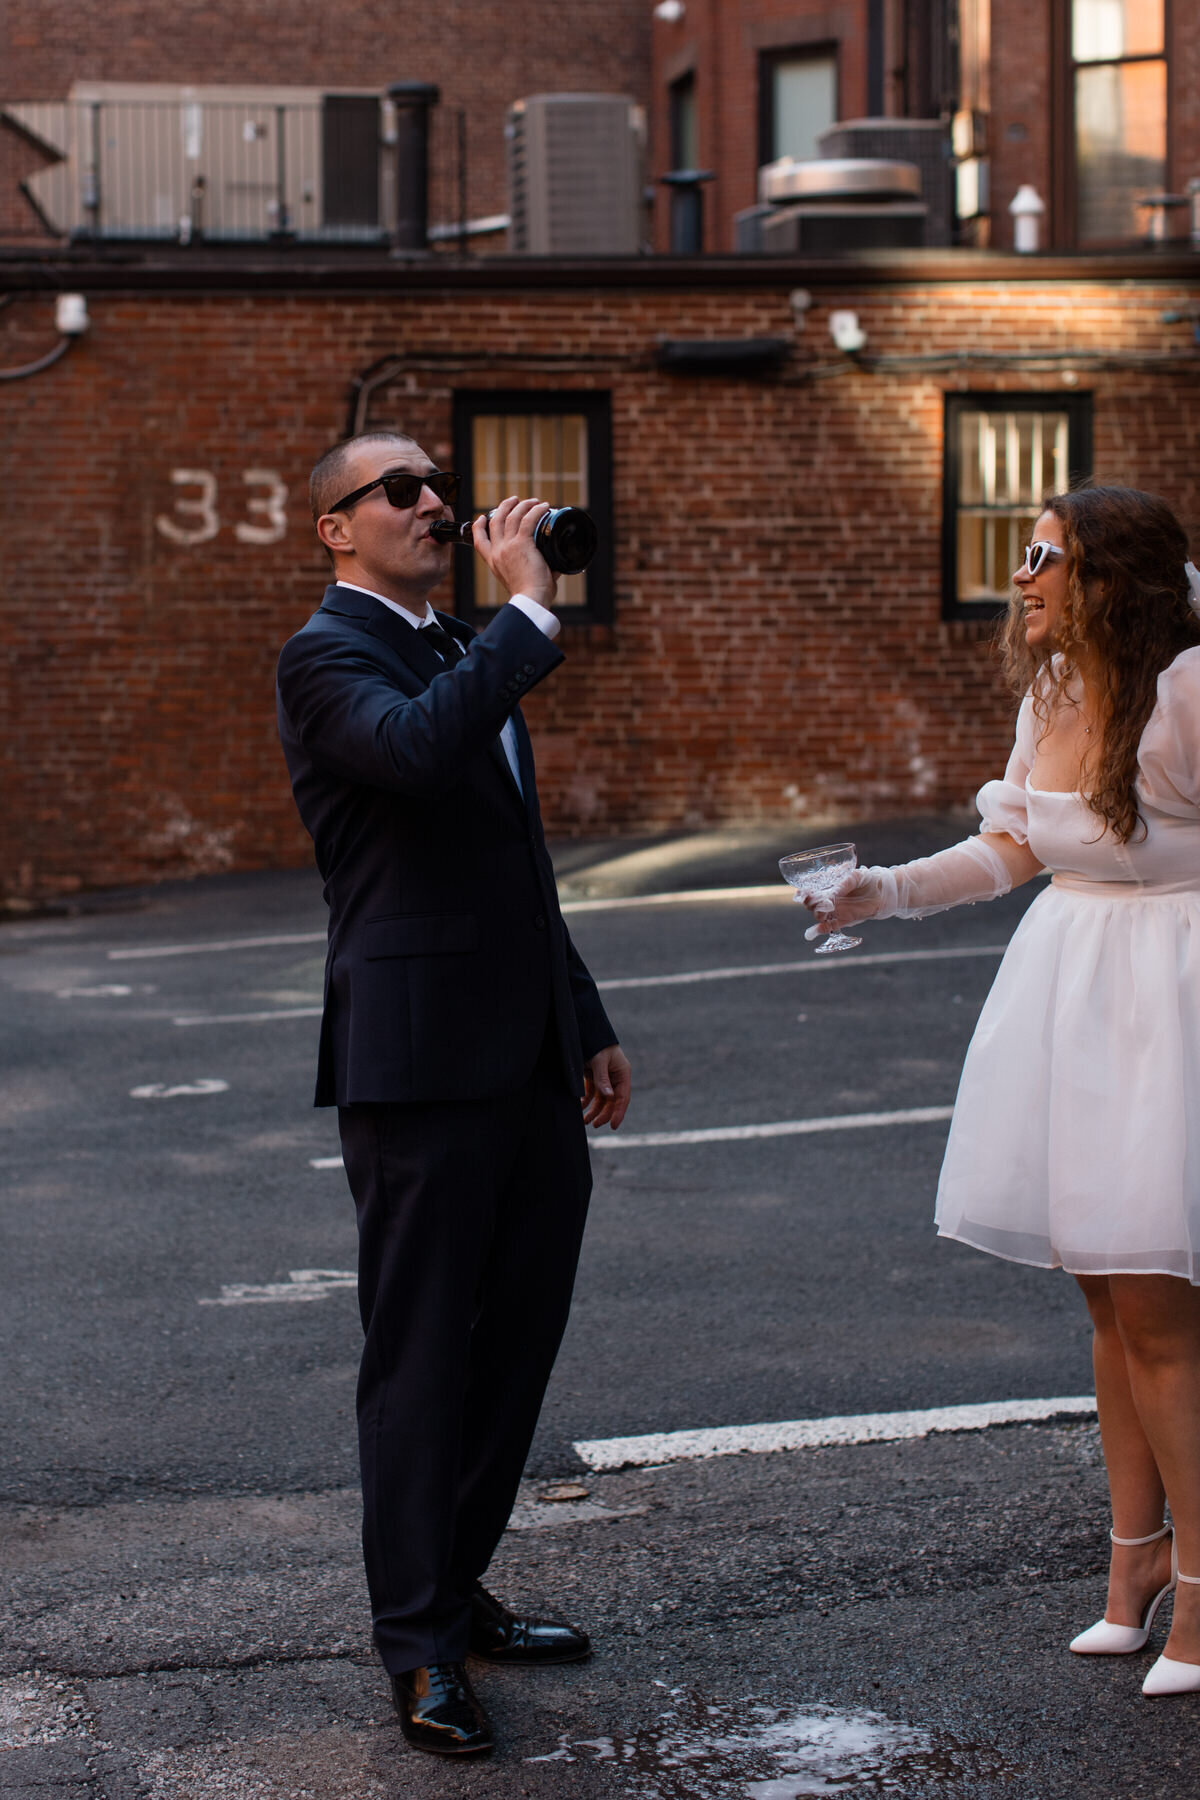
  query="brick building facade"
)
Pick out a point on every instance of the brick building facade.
point(1012, 66)
point(806, 545)
point(777, 648)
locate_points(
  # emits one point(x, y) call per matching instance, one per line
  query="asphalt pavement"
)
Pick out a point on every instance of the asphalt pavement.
point(868, 1613)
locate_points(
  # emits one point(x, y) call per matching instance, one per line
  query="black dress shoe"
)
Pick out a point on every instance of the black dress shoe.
point(501, 1637)
point(439, 1711)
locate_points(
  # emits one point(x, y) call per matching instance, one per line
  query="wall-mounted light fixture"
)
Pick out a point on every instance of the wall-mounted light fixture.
point(846, 332)
point(70, 321)
point(71, 315)
point(670, 11)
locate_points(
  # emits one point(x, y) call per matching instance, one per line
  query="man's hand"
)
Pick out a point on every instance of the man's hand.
point(505, 542)
point(607, 1084)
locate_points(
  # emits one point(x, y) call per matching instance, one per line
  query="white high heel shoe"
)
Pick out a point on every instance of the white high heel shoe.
point(1171, 1677)
point(1106, 1639)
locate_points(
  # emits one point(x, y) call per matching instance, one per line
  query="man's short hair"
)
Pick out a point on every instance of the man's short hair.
point(327, 483)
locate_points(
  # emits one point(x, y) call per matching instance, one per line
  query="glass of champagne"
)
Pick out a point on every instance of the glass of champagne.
point(815, 874)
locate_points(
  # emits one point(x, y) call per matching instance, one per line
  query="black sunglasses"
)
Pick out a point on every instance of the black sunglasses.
point(403, 489)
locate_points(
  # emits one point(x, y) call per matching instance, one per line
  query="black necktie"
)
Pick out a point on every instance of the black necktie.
point(448, 648)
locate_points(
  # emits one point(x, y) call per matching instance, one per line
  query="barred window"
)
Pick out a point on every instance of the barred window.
point(1003, 454)
point(556, 446)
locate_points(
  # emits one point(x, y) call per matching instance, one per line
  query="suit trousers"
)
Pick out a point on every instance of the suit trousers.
point(470, 1218)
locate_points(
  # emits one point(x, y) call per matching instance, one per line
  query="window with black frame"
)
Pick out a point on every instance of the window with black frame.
point(683, 122)
point(1003, 454)
point(557, 446)
point(797, 100)
point(1119, 100)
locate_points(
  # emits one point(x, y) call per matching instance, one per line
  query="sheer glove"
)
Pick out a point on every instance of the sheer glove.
point(965, 873)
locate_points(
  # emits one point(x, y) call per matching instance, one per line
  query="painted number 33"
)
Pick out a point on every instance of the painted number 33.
point(196, 519)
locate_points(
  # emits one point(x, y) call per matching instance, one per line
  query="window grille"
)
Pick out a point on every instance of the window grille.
point(554, 446)
point(1004, 454)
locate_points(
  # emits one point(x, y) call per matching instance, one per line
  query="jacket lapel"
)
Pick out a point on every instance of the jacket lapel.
point(425, 662)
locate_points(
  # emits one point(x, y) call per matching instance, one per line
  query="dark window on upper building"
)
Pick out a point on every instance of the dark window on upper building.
point(682, 120)
point(555, 445)
point(797, 100)
point(1119, 104)
point(350, 159)
point(1003, 454)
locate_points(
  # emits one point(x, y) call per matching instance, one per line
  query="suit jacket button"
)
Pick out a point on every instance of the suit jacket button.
point(529, 669)
point(540, 921)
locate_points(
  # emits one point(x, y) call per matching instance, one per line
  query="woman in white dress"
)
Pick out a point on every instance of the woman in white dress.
point(1076, 1132)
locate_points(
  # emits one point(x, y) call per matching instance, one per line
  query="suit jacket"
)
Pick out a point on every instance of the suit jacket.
point(448, 955)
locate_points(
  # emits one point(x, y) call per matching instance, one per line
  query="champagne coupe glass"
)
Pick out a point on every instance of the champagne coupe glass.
point(815, 874)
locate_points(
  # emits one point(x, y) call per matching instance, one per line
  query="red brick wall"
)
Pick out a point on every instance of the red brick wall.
point(1019, 127)
point(482, 54)
point(777, 652)
point(722, 39)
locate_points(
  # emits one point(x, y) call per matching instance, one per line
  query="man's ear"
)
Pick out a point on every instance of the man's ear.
point(334, 534)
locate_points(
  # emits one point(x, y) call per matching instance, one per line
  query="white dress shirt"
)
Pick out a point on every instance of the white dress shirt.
point(541, 616)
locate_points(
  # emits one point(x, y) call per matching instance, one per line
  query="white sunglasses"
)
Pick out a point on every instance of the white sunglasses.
point(1038, 553)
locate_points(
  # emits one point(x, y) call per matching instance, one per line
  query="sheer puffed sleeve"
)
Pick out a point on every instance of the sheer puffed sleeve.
point(1002, 804)
point(1169, 753)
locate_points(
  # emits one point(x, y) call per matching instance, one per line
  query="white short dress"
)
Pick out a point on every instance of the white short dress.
point(1075, 1140)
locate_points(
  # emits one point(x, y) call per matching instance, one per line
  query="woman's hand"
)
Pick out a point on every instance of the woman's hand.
point(858, 896)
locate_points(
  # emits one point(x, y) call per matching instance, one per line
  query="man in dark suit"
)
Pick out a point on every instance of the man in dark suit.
point(460, 1032)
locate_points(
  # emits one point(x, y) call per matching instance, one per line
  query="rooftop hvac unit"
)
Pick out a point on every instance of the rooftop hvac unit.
point(925, 142)
point(574, 174)
point(835, 230)
point(849, 180)
point(829, 207)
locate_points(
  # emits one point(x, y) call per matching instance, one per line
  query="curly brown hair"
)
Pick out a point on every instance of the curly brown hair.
point(1128, 602)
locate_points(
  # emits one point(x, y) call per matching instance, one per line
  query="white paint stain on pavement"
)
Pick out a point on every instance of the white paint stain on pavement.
point(301, 1285)
point(159, 1090)
point(659, 1447)
point(697, 1750)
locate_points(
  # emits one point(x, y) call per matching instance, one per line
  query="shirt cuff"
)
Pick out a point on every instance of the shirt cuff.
point(541, 616)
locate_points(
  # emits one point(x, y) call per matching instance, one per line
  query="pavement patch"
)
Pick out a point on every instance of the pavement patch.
point(36, 1709)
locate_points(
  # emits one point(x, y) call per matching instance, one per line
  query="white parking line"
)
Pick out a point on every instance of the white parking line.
point(301, 1285)
point(159, 1090)
point(810, 966)
point(776, 891)
point(250, 1018)
point(215, 944)
point(713, 1134)
point(811, 1434)
point(717, 1134)
point(813, 965)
